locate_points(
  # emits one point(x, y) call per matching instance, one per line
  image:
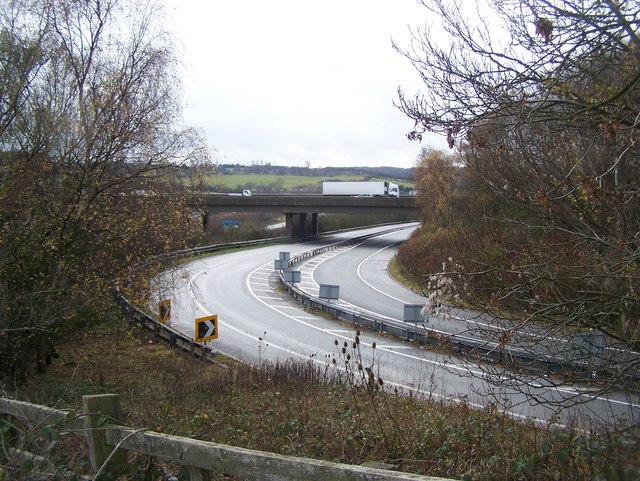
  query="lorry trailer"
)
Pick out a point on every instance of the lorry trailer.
point(363, 188)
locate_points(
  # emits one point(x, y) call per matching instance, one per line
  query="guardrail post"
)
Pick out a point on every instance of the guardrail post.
point(101, 410)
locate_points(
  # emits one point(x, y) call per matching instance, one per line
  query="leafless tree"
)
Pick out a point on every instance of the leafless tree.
point(92, 155)
point(543, 104)
point(533, 61)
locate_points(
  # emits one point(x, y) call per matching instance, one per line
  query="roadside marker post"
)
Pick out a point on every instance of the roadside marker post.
point(206, 328)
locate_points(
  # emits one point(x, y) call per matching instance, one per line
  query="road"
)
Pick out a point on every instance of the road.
point(260, 323)
point(369, 285)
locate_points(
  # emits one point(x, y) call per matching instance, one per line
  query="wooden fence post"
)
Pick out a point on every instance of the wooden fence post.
point(198, 474)
point(101, 410)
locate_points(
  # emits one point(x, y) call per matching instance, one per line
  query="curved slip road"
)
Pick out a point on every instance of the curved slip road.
point(258, 323)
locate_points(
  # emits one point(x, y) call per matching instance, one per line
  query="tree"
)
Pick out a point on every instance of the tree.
point(436, 180)
point(91, 162)
point(545, 115)
point(576, 62)
point(453, 208)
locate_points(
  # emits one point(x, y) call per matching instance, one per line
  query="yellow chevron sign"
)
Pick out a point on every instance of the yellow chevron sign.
point(206, 328)
point(164, 310)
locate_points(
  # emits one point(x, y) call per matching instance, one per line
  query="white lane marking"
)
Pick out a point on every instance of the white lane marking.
point(367, 283)
point(397, 347)
point(323, 258)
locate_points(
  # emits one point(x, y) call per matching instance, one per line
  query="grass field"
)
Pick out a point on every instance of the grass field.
point(287, 182)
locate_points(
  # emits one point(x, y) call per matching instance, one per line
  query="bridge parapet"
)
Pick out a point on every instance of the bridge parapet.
point(308, 203)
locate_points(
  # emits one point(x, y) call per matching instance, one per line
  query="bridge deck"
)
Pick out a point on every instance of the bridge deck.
point(309, 204)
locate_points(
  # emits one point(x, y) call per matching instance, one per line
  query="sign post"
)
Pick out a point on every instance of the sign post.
point(328, 291)
point(164, 311)
point(206, 328)
point(280, 264)
point(413, 313)
point(285, 256)
point(292, 276)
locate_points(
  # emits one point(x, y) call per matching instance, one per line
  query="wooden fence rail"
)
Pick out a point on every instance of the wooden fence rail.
point(109, 443)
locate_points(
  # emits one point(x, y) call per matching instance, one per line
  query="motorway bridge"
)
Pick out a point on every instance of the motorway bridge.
point(301, 206)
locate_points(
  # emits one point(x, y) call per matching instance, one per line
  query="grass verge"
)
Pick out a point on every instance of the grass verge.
point(301, 409)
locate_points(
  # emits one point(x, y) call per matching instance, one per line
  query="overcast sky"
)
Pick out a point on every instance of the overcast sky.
point(296, 81)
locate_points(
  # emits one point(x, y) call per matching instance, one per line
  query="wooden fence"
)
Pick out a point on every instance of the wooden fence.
point(110, 442)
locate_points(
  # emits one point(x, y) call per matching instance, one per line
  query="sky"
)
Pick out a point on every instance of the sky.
point(299, 82)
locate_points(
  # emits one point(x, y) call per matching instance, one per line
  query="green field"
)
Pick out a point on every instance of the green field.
point(286, 181)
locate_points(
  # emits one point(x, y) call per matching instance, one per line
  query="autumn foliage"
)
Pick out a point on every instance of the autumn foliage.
point(92, 158)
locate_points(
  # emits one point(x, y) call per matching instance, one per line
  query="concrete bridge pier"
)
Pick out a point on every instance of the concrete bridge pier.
point(288, 226)
point(302, 225)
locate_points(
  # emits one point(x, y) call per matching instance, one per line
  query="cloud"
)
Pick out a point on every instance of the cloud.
point(290, 82)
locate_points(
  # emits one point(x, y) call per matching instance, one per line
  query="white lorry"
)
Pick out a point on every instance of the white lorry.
point(360, 188)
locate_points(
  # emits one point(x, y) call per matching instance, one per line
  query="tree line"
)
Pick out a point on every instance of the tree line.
point(307, 171)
